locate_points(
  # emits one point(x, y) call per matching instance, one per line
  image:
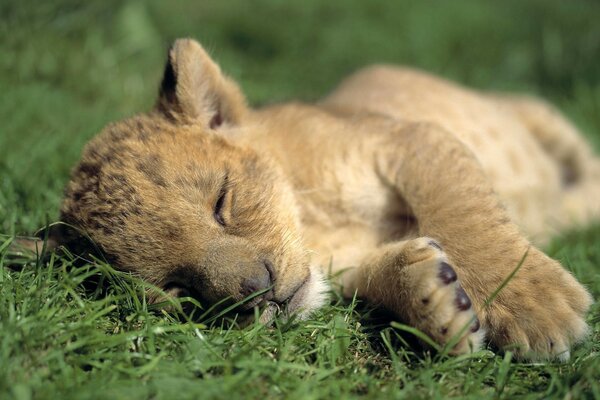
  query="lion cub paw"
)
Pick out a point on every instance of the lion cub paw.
point(541, 313)
point(438, 305)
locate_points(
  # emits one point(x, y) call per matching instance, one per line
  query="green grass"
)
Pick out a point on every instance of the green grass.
point(69, 67)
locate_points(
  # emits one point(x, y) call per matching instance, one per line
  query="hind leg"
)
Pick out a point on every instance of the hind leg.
point(579, 166)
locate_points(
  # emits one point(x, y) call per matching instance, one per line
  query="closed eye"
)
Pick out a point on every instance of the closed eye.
point(218, 211)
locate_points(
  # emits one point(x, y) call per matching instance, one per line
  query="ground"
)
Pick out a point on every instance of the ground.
point(67, 68)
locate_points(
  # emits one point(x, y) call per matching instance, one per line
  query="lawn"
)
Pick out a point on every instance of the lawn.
point(69, 67)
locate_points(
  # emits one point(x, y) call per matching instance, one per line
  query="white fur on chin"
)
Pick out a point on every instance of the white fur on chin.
point(316, 294)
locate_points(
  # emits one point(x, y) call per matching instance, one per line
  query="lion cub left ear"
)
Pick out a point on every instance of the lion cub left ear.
point(194, 90)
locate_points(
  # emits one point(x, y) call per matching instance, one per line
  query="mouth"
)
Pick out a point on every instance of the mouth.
point(305, 298)
point(273, 309)
point(269, 309)
point(244, 309)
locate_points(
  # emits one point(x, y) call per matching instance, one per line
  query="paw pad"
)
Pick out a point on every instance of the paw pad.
point(442, 309)
point(462, 301)
point(447, 274)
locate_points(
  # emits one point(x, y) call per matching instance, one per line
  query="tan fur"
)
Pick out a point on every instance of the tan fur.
point(388, 181)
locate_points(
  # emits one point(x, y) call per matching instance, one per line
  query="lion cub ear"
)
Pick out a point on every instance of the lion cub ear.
point(194, 90)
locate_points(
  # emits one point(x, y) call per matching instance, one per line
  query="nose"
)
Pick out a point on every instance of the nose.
point(260, 281)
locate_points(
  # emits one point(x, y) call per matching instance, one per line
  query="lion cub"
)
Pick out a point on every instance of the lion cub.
point(414, 193)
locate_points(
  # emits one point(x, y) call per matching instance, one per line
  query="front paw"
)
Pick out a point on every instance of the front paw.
point(437, 304)
point(540, 314)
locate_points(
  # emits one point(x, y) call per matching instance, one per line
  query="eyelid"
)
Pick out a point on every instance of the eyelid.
point(218, 210)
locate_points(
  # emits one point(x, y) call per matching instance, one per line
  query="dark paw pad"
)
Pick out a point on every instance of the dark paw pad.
point(462, 301)
point(447, 274)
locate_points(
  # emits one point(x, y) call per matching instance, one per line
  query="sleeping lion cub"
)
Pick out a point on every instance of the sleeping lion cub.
point(412, 192)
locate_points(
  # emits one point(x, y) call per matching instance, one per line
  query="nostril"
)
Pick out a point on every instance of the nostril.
point(256, 283)
point(261, 281)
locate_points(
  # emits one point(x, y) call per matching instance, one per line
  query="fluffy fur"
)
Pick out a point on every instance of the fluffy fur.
point(419, 194)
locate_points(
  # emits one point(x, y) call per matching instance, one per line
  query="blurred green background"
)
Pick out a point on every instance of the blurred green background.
point(69, 67)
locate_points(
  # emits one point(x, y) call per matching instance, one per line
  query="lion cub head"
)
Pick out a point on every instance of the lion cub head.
point(171, 197)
